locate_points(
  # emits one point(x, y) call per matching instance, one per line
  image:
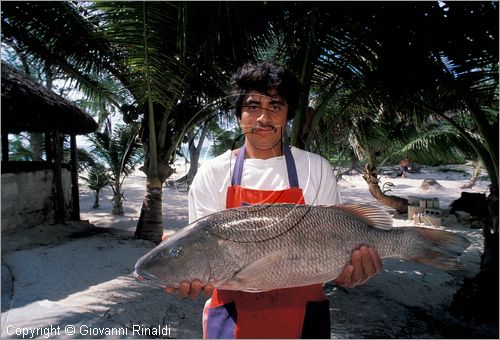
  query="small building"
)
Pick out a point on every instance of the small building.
point(46, 191)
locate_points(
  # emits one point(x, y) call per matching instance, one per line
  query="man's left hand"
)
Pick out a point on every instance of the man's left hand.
point(365, 263)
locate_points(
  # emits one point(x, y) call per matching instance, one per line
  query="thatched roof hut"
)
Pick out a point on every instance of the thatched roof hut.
point(27, 106)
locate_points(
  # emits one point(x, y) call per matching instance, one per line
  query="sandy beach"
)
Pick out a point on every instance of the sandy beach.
point(80, 274)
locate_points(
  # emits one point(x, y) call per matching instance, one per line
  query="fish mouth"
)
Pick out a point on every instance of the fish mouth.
point(148, 279)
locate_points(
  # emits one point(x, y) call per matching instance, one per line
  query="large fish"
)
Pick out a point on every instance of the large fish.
point(263, 247)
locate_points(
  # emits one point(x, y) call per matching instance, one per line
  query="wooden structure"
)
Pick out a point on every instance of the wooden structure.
point(28, 106)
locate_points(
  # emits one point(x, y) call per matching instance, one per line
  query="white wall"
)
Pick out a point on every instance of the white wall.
point(27, 198)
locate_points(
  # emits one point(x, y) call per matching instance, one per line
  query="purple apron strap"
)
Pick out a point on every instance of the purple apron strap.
point(290, 167)
point(238, 167)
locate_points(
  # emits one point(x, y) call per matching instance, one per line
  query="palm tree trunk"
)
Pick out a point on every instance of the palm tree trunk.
point(194, 155)
point(398, 203)
point(96, 200)
point(150, 224)
point(308, 55)
point(489, 259)
point(477, 298)
point(490, 135)
point(474, 178)
point(60, 211)
point(117, 202)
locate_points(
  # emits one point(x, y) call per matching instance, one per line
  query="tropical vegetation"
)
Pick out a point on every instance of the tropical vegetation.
point(382, 80)
point(115, 156)
point(97, 179)
point(154, 62)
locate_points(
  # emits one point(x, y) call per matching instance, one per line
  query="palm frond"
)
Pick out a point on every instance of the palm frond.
point(124, 27)
point(434, 144)
point(54, 34)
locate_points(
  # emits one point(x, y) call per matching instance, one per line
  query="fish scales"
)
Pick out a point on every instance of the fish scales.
point(284, 234)
point(266, 247)
point(295, 239)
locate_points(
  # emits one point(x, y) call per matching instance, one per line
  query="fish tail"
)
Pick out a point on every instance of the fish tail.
point(439, 249)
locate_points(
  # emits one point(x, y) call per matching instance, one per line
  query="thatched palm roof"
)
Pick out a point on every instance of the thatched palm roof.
point(29, 106)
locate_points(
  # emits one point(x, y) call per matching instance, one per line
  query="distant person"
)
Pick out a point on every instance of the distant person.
point(404, 165)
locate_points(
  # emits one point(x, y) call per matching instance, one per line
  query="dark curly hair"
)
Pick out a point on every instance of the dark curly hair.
point(264, 77)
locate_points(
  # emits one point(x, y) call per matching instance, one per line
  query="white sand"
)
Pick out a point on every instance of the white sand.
point(91, 274)
point(175, 214)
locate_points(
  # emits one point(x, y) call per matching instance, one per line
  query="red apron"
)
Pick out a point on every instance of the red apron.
point(281, 313)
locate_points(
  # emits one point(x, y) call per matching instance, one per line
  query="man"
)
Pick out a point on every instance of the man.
point(265, 170)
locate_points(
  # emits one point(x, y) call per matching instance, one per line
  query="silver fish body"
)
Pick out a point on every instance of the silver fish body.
point(265, 247)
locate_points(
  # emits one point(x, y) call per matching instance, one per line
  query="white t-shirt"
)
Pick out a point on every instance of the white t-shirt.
point(209, 188)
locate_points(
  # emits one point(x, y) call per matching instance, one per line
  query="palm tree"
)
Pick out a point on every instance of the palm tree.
point(97, 180)
point(226, 138)
point(172, 60)
point(419, 61)
point(57, 36)
point(376, 141)
point(363, 54)
point(414, 61)
point(157, 50)
point(120, 152)
point(150, 48)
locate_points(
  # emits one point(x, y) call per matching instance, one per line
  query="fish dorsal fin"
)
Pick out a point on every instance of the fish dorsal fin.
point(374, 216)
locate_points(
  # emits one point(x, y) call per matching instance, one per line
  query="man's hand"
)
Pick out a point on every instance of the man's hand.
point(192, 289)
point(365, 263)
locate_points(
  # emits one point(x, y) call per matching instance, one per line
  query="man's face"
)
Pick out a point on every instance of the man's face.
point(263, 119)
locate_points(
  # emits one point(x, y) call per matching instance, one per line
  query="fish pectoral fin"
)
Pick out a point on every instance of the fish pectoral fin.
point(248, 274)
point(236, 285)
point(374, 216)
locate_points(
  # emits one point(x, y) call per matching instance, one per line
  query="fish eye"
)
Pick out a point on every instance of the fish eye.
point(176, 252)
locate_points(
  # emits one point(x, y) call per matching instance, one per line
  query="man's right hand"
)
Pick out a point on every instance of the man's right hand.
point(192, 289)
